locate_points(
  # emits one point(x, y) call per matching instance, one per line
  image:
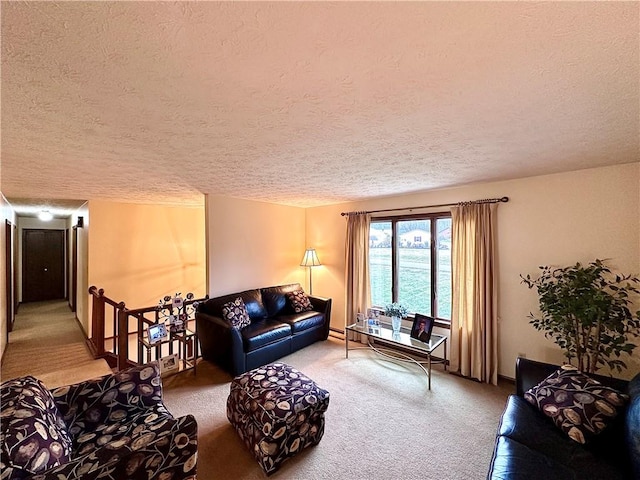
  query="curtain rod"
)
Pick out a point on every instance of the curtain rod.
point(484, 200)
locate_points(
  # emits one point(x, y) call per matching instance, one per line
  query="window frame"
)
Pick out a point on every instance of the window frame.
point(433, 247)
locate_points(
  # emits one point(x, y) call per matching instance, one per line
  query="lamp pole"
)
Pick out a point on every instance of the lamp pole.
point(310, 259)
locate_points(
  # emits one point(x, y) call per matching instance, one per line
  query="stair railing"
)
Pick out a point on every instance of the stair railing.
point(129, 326)
point(101, 343)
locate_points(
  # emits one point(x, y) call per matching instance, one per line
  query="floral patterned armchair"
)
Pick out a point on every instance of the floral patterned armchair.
point(110, 428)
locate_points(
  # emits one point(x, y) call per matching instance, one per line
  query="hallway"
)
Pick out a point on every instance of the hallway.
point(47, 342)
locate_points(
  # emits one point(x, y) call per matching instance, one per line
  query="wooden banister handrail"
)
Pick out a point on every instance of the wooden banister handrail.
point(118, 355)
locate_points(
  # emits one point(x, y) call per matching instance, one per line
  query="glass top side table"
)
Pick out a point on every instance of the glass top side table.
point(384, 333)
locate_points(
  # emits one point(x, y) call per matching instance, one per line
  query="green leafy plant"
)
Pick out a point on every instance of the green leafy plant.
point(396, 310)
point(585, 309)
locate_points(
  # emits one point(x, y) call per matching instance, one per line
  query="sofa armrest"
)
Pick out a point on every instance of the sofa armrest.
point(170, 452)
point(320, 304)
point(220, 342)
point(529, 373)
point(323, 305)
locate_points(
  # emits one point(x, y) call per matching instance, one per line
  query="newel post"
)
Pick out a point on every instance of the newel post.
point(97, 320)
point(123, 339)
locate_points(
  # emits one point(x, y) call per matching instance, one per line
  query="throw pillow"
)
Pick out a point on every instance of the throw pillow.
point(34, 435)
point(579, 405)
point(236, 313)
point(299, 301)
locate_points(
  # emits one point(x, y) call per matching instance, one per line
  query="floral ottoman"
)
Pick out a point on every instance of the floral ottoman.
point(277, 411)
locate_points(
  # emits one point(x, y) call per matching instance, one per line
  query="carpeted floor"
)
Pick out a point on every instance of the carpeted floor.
point(47, 342)
point(382, 422)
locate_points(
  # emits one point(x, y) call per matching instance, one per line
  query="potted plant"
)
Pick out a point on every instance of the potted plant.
point(585, 309)
point(397, 312)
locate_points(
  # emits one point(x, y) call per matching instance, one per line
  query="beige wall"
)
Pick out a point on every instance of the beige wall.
point(82, 287)
point(6, 213)
point(253, 244)
point(139, 253)
point(554, 219)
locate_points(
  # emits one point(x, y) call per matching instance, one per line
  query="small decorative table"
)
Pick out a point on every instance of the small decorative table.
point(384, 340)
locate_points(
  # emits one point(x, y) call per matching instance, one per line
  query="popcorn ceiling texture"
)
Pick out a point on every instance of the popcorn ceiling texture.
point(306, 103)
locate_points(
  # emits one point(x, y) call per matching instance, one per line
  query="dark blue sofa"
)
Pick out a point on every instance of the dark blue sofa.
point(529, 446)
point(276, 329)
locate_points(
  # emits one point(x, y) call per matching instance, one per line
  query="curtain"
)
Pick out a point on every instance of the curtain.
point(357, 265)
point(474, 319)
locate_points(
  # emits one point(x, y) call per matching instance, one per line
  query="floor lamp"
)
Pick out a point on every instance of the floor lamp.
point(310, 260)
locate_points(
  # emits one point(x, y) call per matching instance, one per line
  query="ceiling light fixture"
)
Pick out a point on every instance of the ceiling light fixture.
point(45, 216)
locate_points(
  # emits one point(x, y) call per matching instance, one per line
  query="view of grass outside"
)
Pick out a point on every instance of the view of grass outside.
point(414, 266)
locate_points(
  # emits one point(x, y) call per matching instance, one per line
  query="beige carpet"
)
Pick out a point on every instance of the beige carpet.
point(47, 342)
point(382, 422)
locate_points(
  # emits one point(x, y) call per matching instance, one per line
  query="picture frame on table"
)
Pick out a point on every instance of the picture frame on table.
point(178, 323)
point(422, 327)
point(169, 364)
point(157, 333)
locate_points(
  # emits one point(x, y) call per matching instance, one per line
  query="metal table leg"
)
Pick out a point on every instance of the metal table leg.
point(445, 354)
point(346, 343)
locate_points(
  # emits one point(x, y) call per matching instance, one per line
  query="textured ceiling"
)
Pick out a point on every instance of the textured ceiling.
point(310, 103)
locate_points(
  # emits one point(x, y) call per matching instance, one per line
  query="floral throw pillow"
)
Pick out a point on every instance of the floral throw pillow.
point(579, 405)
point(34, 435)
point(299, 301)
point(236, 313)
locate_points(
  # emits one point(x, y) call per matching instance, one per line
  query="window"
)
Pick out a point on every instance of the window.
point(410, 263)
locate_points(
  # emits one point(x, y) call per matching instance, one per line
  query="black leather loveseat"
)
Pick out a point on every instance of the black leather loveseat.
point(530, 446)
point(276, 329)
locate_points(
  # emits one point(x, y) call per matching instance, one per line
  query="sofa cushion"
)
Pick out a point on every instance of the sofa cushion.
point(112, 399)
point(513, 460)
point(236, 313)
point(579, 405)
point(135, 432)
point(34, 434)
point(265, 332)
point(303, 321)
point(299, 301)
point(252, 301)
point(275, 299)
point(155, 448)
point(526, 425)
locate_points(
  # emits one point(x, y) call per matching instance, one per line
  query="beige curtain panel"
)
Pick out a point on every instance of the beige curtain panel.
point(357, 262)
point(474, 319)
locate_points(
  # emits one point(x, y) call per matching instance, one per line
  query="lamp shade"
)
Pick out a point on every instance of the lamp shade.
point(310, 258)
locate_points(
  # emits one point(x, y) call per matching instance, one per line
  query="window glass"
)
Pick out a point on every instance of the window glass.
point(380, 263)
point(415, 281)
point(443, 271)
point(414, 265)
